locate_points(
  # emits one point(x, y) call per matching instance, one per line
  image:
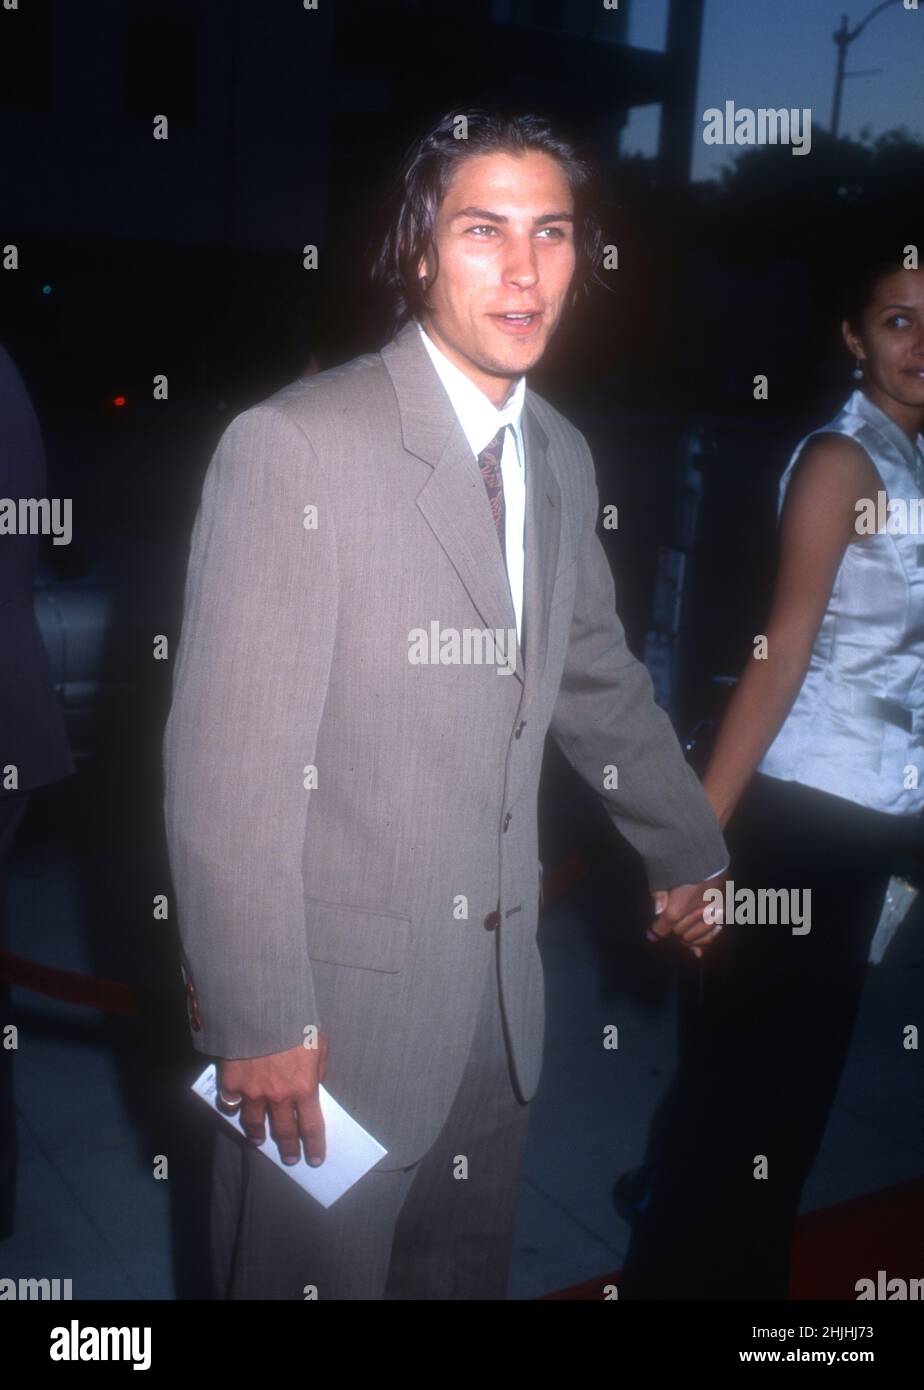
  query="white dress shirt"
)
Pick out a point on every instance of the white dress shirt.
point(480, 421)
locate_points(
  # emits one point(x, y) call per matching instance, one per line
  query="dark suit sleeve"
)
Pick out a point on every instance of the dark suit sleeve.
point(22, 474)
point(32, 734)
point(605, 715)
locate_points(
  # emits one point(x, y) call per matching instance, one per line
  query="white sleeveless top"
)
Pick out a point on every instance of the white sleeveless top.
point(856, 728)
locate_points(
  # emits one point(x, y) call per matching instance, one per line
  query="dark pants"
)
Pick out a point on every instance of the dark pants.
point(12, 808)
point(761, 1057)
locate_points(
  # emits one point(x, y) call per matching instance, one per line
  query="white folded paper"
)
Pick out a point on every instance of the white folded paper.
point(899, 900)
point(351, 1152)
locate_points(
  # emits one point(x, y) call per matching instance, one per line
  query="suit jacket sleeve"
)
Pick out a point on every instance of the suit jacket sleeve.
point(605, 715)
point(251, 676)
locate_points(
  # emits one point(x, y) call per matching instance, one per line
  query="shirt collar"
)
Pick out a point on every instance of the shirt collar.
point(860, 404)
point(480, 419)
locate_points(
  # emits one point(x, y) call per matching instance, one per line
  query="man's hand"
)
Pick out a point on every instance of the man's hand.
point(686, 913)
point(286, 1085)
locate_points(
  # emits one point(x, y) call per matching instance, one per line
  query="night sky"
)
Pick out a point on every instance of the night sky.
point(782, 54)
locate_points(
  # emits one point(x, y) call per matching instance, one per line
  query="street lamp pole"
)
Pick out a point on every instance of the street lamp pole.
point(843, 38)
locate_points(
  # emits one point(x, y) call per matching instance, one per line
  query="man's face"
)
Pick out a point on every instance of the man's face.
point(505, 237)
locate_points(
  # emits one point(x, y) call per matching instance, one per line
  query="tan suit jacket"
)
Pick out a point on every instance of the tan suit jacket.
point(361, 903)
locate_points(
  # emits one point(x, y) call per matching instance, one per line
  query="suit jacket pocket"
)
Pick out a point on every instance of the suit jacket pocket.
point(356, 936)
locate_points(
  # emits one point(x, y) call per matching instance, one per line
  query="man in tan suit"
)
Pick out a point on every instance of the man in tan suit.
point(395, 591)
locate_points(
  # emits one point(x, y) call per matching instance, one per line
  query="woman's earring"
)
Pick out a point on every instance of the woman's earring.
point(858, 371)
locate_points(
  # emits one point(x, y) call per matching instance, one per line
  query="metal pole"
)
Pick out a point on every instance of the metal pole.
point(842, 39)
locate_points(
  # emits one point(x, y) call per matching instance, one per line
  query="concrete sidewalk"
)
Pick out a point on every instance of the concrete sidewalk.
point(99, 1098)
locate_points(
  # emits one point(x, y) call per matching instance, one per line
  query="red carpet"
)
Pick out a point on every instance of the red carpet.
point(839, 1245)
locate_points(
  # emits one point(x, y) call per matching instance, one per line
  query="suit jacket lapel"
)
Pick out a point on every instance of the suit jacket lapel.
point(455, 504)
point(543, 533)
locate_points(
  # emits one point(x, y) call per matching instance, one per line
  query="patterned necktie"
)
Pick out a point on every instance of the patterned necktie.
point(489, 461)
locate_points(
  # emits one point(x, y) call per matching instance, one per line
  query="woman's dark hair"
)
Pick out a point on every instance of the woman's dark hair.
point(876, 263)
point(425, 174)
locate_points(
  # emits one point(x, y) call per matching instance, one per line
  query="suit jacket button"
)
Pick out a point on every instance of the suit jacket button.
point(507, 819)
point(519, 728)
point(192, 1006)
point(492, 921)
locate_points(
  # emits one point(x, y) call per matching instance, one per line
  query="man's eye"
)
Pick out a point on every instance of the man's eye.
point(557, 233)
point(896, 319)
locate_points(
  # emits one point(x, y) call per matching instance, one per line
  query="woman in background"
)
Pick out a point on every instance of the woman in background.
point(818, 770)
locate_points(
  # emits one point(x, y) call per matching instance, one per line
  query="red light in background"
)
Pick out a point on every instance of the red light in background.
point(118, 400)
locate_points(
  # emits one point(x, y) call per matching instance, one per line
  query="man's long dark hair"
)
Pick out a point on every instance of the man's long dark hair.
point(425, 174)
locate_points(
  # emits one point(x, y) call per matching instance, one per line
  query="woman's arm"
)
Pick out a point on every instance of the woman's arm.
point(818, 522)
